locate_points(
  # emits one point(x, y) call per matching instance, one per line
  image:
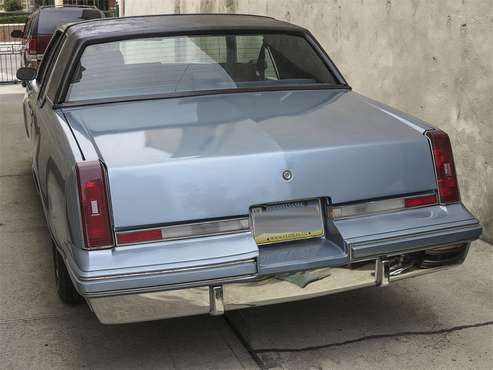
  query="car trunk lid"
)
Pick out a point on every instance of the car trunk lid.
point(207, 157)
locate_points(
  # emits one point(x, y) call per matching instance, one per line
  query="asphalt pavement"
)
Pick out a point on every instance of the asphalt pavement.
point(438, 321)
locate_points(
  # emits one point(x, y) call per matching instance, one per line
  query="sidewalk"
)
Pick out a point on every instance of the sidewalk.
point(11, 89)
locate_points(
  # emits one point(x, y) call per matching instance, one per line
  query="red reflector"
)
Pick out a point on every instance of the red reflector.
point(448, 189)
point(138, 236)
point(94, 205)
point(32, 45)
point(42, 43)
point(420, 201)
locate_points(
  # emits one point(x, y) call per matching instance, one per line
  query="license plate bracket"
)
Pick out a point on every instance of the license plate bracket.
point(290, 221)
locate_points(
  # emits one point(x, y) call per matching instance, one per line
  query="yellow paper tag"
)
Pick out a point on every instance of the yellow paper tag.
point(267, 238)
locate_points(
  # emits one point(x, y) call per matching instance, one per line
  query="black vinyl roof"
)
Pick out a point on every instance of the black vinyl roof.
point(117, 28)
point(79, 35)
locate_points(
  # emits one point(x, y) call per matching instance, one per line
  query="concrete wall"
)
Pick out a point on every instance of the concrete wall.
point(432, 59)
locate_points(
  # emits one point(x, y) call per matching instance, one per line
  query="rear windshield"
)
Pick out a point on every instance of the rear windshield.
point(50, 19)
point(194, 63)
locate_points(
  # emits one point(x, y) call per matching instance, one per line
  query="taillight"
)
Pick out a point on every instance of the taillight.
point(419, 201)
point(94, 205)
point(32, 45)
point(448, 189)
point(140, 236)
point(385, 205)
point(37, 44)
point(42, 43)
point(184, 231)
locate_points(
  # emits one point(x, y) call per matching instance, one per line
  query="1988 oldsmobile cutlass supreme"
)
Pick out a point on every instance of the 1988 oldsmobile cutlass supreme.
point(192, 164)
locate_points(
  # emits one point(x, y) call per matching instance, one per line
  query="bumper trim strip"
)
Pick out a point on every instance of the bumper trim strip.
point(165, 271)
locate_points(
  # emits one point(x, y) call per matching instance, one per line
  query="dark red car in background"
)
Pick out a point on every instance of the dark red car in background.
point(42, 23)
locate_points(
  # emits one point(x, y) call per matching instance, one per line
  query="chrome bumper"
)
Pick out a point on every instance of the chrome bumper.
point(215, 299)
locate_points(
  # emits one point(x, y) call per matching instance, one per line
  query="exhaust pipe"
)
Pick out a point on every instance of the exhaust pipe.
point(423, 262)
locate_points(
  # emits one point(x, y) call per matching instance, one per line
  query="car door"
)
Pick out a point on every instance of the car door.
point(53, 154)
point(37, 111)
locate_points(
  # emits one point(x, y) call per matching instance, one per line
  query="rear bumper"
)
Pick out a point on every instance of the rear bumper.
point(214, 274)
point(217, 298)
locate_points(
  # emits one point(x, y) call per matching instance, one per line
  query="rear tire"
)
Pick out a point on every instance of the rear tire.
point(64, 286)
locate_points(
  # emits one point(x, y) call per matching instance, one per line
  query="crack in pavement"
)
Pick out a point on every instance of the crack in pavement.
point(371, 337)
point(260, 363)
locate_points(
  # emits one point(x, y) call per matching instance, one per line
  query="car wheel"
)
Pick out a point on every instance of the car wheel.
point(64, 286)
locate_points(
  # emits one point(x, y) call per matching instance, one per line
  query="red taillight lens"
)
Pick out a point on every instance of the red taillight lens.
point(448, 189)
point(94, 205)
point(32, 45)
point(420, 201)
point(42, 43)
point(38, 44)
point(140, 236)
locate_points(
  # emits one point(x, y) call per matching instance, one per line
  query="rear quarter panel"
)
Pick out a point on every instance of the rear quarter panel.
point(55, 153)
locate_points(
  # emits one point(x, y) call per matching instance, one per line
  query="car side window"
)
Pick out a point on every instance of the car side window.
point(271, 72)
point(27, 27)
point(48, 60)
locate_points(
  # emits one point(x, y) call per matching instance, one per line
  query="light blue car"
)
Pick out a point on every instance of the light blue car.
point(192, 164)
